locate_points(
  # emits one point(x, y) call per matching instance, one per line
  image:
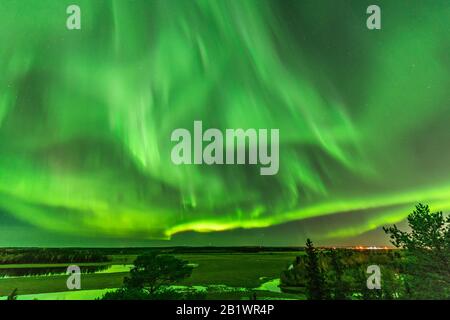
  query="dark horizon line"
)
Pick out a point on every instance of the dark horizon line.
point(198, 247)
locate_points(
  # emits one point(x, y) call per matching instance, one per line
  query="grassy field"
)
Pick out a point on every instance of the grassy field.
point(239, 270)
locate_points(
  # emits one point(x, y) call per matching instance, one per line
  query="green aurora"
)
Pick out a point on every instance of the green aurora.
point(86, 117)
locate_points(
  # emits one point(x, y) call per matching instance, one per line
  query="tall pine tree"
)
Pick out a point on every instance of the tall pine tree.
point(315, 285)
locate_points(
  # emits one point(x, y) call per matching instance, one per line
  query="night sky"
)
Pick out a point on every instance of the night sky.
point(86, 118)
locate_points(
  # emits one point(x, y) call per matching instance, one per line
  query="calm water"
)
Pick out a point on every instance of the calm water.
point(51, 271)
point(271, 285)
point(65, 295)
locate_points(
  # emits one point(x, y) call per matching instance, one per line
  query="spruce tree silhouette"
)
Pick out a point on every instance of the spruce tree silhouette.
point(427, 251)
point(315, 284)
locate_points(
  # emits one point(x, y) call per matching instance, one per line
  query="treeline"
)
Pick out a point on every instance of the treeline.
point(341, 274)
point(50, 255)
point(194, 249)
point(162, 250)
point(247, 249)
